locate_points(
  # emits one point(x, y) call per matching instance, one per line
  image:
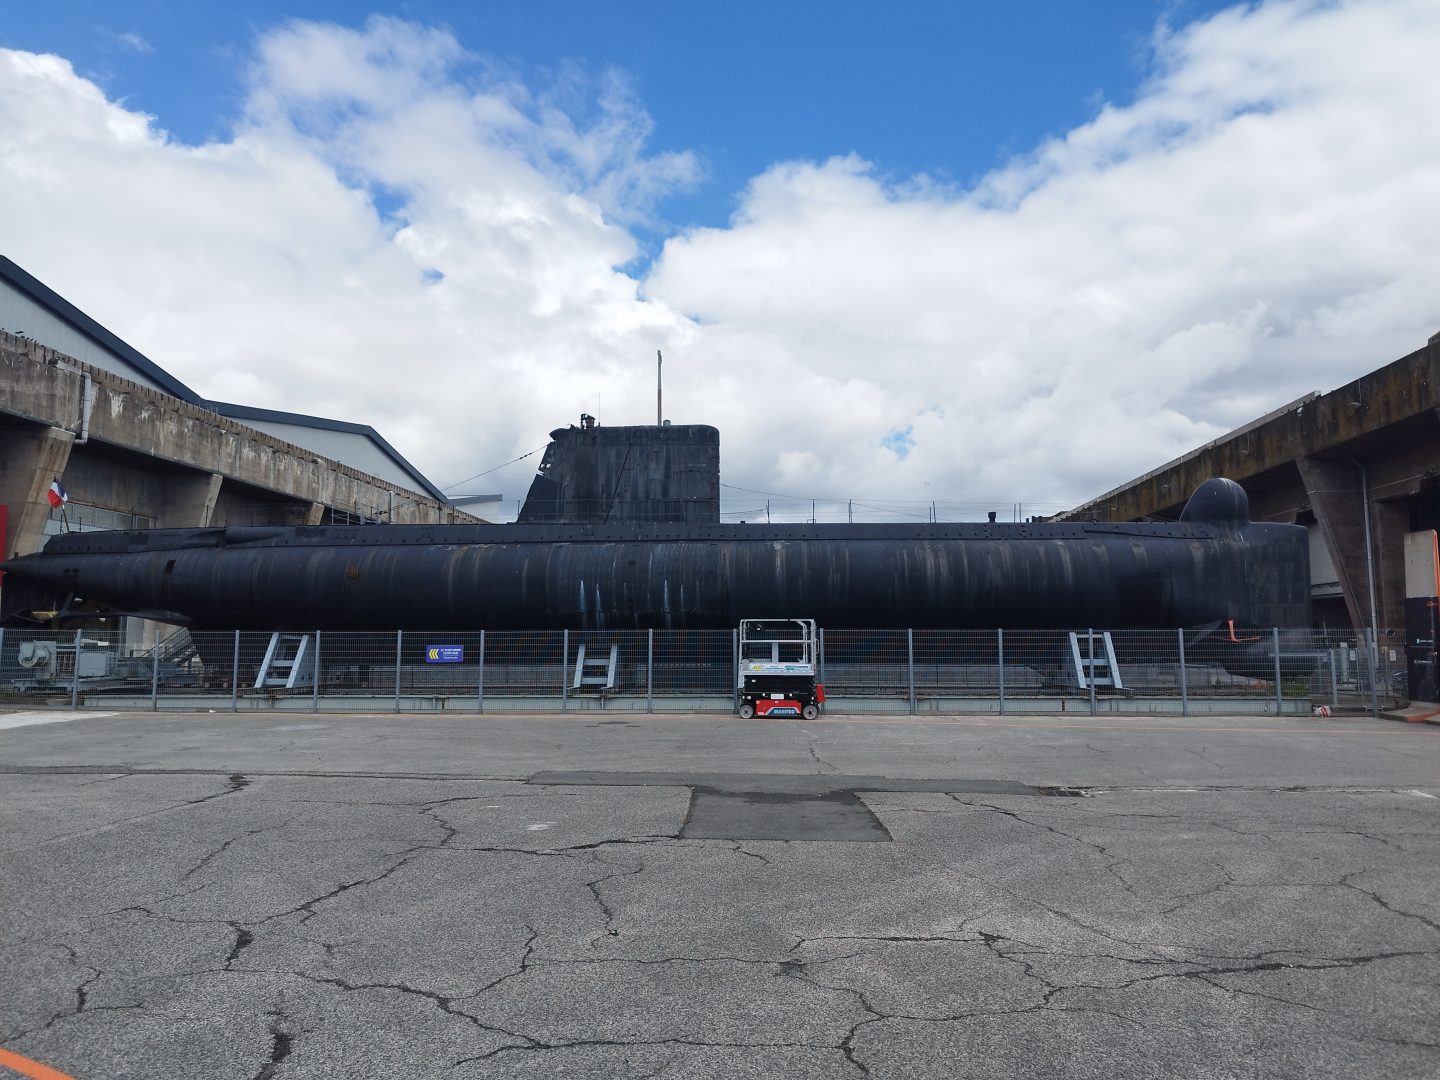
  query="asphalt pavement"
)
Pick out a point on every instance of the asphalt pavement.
point(278, 896)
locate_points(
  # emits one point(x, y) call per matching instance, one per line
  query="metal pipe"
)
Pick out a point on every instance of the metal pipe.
point(235, 675)
point(650, 671)
point(399, 654)
point(1000, 655)
point(1184, 678)
point(1279, 689)
point(910, 654)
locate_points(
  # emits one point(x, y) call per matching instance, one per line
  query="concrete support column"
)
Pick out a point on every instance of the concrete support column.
point(1391, 522)
point(1333, 486)
point(31, 458)
point(190, 501)
point(316, 514)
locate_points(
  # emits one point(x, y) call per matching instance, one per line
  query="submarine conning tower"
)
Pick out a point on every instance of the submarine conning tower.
point(593, 475)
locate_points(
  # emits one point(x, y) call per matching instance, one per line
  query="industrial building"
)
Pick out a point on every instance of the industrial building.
point(133, 447)
point(1360, 467)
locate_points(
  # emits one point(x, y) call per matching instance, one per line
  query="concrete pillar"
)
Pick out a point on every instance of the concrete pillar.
point(190, 500)
point(316, 514)
point(1333, 487)
point(31, 458)
point(1391, 524)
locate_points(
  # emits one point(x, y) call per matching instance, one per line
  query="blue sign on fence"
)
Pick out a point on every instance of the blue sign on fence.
point(444, 654)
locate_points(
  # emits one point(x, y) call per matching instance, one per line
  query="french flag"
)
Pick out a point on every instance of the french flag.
point(57, 495)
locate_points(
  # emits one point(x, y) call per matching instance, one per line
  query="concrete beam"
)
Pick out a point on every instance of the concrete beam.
point(41, 386)
point(31, 458)
point(1404, 392)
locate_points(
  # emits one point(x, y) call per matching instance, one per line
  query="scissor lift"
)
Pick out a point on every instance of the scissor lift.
point(778, 668)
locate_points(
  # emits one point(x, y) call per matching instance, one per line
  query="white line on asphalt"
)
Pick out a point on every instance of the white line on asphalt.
point(1422, 794)
point(25, 719)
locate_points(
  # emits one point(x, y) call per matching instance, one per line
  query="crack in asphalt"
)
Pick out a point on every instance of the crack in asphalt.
point(237, 782)
point(282, 1042)
point(233, 840)
point(82, 1003)
point(605, 908)
point(824, 766)
point(544, 1047)
point(443, 1002)
point(1213, 970)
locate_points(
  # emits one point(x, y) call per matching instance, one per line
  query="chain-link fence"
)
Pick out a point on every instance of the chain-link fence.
point(907, 671)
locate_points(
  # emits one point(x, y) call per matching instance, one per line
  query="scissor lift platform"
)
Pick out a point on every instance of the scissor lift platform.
point(778, 672)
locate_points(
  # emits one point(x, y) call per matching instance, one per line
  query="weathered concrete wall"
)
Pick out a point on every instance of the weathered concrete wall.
point(1371, 408)
point(147, 452)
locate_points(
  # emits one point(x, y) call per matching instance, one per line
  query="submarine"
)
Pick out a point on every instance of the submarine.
point(621, 531)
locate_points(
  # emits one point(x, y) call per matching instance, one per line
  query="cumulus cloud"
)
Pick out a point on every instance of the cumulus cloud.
point(481, 307)
point(397, 232)
point(1256, 224)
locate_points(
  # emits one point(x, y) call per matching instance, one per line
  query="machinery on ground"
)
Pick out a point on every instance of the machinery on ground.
point(779, 666)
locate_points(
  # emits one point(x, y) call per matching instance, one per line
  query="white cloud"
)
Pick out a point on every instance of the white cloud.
point(1258, 223)
point(487, 312)
point(397, 233)
point(133, 42)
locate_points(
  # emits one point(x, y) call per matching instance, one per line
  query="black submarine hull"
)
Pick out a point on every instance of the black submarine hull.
point(1213, 569)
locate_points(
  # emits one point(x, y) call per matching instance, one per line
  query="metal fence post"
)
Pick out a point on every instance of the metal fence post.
point(1334, 684)
point(650, 670)
point(315, 681)
point(820, 658)
point(1279, 690)
point(399, 655)
point(564, 670)
point(910, 665)
point(480, 677)
point(75, 675)
point(1184, 678)
point(735, 668)
point(1374, 679)
point(1000, 665)
point(235, 675)
point(1090, 668)
point(155, 676)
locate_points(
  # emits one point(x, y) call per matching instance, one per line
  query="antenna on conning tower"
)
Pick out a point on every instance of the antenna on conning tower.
point(659, 411)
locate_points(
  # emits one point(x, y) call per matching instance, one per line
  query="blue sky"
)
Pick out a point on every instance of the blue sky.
point(975, 255)
point(949, 90)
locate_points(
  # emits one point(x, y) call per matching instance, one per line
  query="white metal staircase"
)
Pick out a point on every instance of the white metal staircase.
point(1095, 666)
point(289, 662)
point(595, 672)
